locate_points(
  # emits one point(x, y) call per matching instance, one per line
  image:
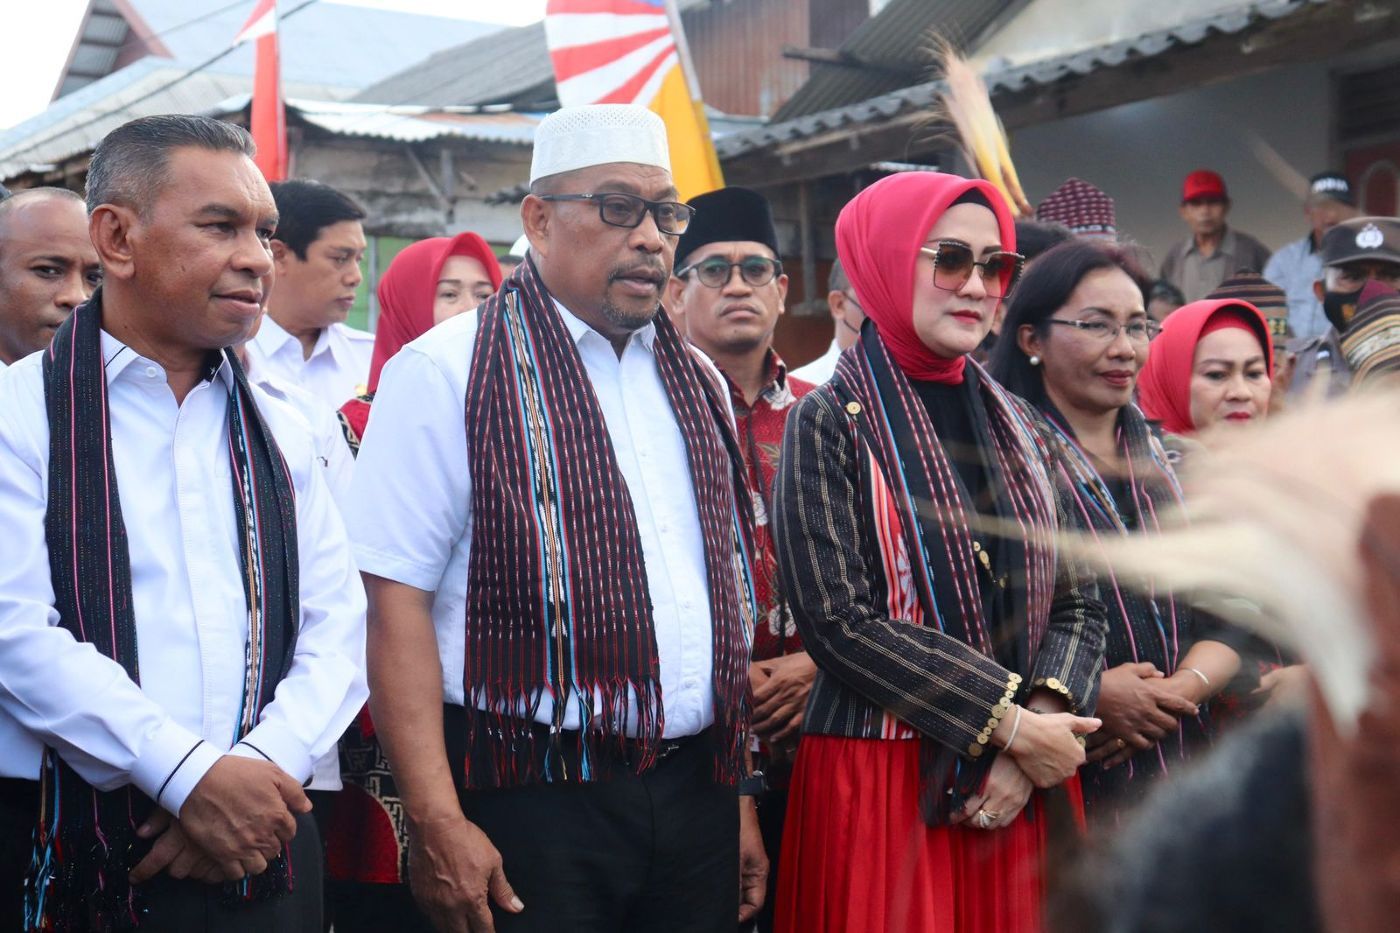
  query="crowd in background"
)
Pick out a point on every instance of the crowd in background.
point(619, 560)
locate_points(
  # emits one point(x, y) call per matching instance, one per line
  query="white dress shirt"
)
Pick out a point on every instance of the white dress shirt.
point(336, 371)
point(173, 472)
point(410, 516)
point(318, 422)
point(821, 369)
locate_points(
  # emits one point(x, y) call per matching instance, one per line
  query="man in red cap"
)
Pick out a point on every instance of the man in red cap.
point(1213, 252)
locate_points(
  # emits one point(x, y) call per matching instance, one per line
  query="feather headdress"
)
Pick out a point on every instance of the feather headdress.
point(968, 107)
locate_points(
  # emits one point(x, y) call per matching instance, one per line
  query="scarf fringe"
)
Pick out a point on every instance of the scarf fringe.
point(521, 750)
point(558, 603)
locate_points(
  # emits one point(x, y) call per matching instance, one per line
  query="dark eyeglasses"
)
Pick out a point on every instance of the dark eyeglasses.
point(953, 263)
point(1139, 332)
point(628, 210)
point(715, 272)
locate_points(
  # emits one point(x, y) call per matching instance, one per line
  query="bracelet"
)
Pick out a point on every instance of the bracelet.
point(1015, 727)
point(1204, 679)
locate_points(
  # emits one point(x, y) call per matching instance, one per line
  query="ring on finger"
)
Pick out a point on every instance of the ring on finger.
point(1122, 743)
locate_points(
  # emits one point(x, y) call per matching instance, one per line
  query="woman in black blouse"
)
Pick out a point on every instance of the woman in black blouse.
point(1077, 335)
point(958, 653)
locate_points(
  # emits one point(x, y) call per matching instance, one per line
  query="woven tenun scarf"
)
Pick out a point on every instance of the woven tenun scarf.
point(558, 603)
point(936, 517)
point(1143, 625)
point(85, 842)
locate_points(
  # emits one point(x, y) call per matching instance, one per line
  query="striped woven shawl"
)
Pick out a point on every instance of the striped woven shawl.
point(558, 603)
point(934, 511)
point(86, 843)
point(1153, 626)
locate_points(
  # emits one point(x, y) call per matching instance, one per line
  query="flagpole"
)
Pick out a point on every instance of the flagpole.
point(692, 80)
point(692, 83)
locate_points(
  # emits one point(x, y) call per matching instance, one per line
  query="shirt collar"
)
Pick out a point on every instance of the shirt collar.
point(1226, 247)
point(272, 338)
point(579, 329)
point(775, 383)
point(117, 358)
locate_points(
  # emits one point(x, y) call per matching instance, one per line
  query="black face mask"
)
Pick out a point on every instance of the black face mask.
point(1340, 307)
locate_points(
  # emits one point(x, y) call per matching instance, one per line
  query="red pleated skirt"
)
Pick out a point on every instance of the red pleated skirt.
point(857, 856)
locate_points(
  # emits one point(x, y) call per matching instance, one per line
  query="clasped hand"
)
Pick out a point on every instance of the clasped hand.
point(238, 818)
point(1138, 711)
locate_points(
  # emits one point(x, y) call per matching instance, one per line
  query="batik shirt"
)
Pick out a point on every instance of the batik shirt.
point(760, 432)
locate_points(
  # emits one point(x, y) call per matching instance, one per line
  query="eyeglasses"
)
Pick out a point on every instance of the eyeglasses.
point(1139, 332)
point(756, 271)
point(953, 263)
point(628, 210)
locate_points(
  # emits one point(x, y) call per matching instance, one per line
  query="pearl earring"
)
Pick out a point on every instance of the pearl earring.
point(1035, 360)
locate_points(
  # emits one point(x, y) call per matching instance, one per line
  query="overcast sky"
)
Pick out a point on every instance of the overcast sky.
point(38, 37)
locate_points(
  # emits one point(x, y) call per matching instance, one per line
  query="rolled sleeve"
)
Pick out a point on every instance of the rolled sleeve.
point(411, 490)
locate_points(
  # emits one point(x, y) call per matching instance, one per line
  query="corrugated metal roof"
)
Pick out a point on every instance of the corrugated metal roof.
point(413, 124)
point(890, 51)
point(1048, 71)
point(508, 67)
point(499, 68)
point(324, 43)
point(74, 124)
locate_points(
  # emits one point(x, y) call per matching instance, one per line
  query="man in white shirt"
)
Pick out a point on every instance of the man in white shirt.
point(47, 267)
point(846, 318)
point(545, 512)
point(318, 248)
point(181, 624)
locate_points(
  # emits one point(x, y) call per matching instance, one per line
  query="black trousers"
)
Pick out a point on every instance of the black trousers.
point(19, 811)
point(173, 906)
point(650, 853)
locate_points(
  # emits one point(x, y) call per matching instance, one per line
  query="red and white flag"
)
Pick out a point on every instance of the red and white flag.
point(269, 116)
point(633, 52)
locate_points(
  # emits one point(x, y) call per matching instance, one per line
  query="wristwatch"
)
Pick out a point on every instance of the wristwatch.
point(753, 786)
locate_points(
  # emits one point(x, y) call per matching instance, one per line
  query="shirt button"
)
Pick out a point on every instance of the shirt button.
point(151, 372)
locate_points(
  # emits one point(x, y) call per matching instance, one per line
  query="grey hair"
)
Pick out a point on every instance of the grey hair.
point(130, 164)
point(837, 280)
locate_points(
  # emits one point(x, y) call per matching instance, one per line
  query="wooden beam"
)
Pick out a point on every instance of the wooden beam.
point(843, 59)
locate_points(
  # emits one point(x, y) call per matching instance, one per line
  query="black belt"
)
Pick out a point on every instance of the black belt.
point(621, 756)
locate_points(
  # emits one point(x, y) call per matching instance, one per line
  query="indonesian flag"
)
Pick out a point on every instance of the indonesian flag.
point(633, 52)
point(269, 117)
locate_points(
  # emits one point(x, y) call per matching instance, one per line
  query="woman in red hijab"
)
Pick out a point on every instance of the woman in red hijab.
point(366, 841)
point(1211, 368)
point(1211, 365)
point(428, 282)
point(957, 652)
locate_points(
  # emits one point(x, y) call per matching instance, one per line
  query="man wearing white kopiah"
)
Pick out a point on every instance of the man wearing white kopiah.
point(572, 556)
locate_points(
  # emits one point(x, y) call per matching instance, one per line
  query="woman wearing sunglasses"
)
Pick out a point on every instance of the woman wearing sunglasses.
point(1078, 336)
point(956, 650)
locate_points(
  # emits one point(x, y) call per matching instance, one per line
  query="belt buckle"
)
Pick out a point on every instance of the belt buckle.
point(667, 749)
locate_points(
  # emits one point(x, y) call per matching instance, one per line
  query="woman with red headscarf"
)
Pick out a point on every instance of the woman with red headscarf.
point(428, 282)
point(367, 842)
point(1211, 369)
point(958, 653)
point(1211, 365)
